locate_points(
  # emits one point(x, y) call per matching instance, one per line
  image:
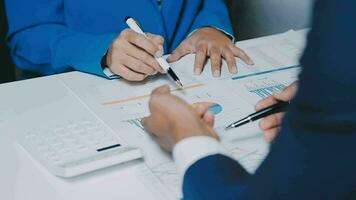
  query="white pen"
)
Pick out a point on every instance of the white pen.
point(162, 62)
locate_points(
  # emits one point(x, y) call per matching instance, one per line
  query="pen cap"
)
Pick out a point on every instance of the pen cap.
point(133, 25)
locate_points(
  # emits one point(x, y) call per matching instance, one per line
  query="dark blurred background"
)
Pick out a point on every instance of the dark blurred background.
point(255, 18)
point(7, 70)
point(250, 18)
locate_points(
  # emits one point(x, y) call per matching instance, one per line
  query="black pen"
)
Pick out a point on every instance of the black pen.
point(162, 62)
point(280, 106)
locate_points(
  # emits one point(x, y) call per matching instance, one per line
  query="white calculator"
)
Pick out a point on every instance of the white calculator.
point(69, 139)
point(77, 148)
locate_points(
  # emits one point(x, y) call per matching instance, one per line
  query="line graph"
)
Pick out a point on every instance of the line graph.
point(140, 97)
point(266, 72)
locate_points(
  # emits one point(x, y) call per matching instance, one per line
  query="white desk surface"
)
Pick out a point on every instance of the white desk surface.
point(21, 177)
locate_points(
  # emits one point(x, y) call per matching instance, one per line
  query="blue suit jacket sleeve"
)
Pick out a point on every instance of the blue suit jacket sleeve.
point(40, 42)
point(213, 13)
point(313, 156)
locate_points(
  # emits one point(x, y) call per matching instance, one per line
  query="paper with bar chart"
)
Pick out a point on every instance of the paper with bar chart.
point(123, 110)
point(226, 106)
point(257, 86)
point(122, 104)
point(268, 54)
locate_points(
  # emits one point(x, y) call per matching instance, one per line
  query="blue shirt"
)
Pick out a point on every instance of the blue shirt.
point(61, 35)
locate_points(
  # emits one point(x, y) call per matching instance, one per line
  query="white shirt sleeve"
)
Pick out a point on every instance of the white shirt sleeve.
point(110, 74)
point(188, 151)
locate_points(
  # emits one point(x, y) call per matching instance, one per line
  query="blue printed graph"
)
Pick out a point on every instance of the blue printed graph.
point(215, 109)
point(212, 107)
point(267, 91)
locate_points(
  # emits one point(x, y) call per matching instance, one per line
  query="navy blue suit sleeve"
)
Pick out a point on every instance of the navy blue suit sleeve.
point(213, 13)
point(313, 156)
point(214, 177)
point(40, 41)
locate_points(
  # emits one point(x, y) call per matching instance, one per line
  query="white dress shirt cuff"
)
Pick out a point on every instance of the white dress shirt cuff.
point(190, 150)
point(110, 74)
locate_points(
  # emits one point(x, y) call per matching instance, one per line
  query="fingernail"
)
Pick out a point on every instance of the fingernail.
point(265, 124)
point(161, 71)
point(234, 70)
point(278, 93)
point(216, 73)
point(197, 71)
point(158, 54)
point(262, 122)
point(153, 73)
point(250, 62)
point(170, 58)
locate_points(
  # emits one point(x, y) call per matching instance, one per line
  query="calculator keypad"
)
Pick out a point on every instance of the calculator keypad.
point(71, 141)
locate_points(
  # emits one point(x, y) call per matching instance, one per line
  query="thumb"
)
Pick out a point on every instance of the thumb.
point(182, 50)
point(155, 102)
point(164, 89)
point(209, 118)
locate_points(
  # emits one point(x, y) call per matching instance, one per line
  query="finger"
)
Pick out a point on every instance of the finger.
point(143, 56)
point(271, 134)
point(126, 73)
point(209, 118)
point(182, 50)
point(149, 125)
point(264, 103)
point(215, 58)
point(241, 54)
point(141, 41)
point(288, 93)
point(200, 58)
point(164, 89)
point(136, 65)
point(157, 39)
point(230, 61)
point(201, 110)
point(271, 121)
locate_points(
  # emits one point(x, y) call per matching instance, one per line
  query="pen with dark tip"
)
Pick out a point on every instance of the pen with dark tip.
point(280, 106)
point(162, 62)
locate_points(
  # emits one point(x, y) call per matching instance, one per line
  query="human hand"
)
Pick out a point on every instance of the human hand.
point(210, 42)
point(172, 119)
point(271, 124)
point(132, 55)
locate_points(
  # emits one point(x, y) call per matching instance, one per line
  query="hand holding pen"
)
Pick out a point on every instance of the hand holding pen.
point(270, 124)
point(132, 55)
point(134, 25)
